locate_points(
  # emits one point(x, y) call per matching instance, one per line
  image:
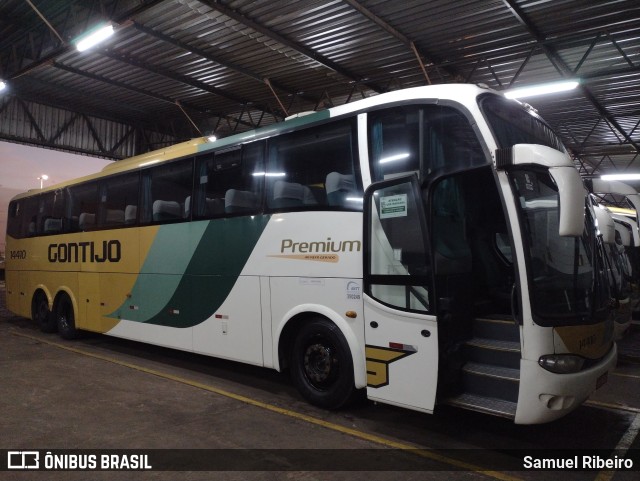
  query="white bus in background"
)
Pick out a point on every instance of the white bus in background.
point(430, 246)
point(626, 222)
point(612, 247)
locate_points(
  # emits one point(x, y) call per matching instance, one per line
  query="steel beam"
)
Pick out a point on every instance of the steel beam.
point(307, 52)
point(564, 69)
point(410, 44)
point(190, 81)
point(67, 47)
point(226, 64)
point(138, 90)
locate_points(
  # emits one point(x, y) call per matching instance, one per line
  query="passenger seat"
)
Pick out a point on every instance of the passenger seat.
point(339, 187)
point(291, 194)
point(239, 201)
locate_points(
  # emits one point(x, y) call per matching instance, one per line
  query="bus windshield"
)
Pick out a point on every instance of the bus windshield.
point(563, 286)
point(512, 124)
point(564, 278)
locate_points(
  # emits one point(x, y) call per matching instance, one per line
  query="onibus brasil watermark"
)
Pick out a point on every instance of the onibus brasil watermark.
point(35, 460)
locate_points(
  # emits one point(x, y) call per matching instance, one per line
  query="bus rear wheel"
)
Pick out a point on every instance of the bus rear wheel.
point(41, 314)
point(65, 319)
point(321, 365)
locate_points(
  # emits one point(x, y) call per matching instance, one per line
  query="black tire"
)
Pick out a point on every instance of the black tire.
point(65, 319)
point(41, 314)
point(321, 365)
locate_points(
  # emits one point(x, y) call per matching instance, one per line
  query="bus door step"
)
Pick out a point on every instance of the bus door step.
point(493, 351)
point(494, 406)
point(491, 381)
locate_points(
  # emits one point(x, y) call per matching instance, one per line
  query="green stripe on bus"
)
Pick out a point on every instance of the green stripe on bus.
point(266, 132)
point(214, 265)
point(164, 266)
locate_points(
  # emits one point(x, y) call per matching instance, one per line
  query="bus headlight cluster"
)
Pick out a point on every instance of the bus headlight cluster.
point(561, 363)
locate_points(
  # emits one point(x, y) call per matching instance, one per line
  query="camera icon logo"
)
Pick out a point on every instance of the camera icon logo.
point(23, 460)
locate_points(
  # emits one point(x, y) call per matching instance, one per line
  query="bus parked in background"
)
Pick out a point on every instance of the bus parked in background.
point(626, 222)
point(617, 267)
point(428, 245)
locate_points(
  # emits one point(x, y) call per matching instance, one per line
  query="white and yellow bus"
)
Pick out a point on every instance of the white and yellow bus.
point(429, 245)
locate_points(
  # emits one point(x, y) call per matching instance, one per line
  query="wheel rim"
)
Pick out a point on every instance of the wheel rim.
point(321, 364)
point(63, 320)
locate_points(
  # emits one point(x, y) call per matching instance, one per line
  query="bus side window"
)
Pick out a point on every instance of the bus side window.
point(82, 207)
point(421, 139)
point(51, 212)
point(29, 226)
point(399, 264)
point(226, 181)
point(314, 169)
point(119, 201)
point(394, 137)
point(14, 219)
point(166, 192)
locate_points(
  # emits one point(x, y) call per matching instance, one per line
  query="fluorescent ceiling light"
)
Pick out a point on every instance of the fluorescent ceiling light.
point(94, 37)
point(269, 174)
point(541, 89)
point(3, 85)
point(393, 158)
point(620, 177)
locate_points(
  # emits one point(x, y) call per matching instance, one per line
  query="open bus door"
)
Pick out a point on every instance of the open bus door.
point(400, 327)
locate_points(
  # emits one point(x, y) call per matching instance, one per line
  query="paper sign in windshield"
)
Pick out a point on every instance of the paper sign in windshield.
point(393, 206)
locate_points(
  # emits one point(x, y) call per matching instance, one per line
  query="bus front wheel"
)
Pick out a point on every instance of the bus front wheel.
point(321, 365)
point(41, 314)
point(65, 319)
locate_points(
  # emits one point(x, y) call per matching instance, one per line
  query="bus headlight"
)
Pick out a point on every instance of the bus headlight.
point(561, 363)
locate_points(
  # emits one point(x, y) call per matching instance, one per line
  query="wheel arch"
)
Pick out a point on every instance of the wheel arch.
point(42, 288)
point(62, 293)
point(294, 319)
point(41, 313)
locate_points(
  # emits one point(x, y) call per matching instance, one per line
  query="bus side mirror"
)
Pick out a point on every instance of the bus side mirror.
point(570, 187)
point(572, 195)
point(605, 225)
point(635, 200)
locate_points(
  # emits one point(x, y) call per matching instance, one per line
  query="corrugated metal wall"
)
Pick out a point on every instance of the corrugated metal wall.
point(36, 124)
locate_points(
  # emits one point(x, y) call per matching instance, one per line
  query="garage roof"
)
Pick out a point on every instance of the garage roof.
point(177, 69)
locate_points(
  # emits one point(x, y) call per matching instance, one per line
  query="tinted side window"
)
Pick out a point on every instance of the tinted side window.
point(314, 169)
point(82, 209)
point(512, 124)
point(230, 181)
point(395, 142)
point(167, 192)
point(29, 224)
point(14, 218)
point(51, 213)
point(421, 139)
point(398, 262)
point(119, 201)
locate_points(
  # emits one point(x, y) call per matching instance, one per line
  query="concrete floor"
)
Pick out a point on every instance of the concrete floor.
point(100, 393)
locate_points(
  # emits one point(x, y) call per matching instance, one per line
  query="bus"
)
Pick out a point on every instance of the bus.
point(426, 246)
point(626, 225)
point(614, 240)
